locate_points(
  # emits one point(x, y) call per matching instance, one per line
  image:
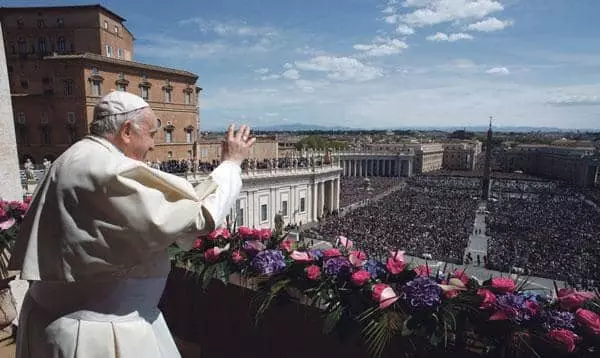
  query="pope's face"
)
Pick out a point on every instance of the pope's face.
point(140, 139)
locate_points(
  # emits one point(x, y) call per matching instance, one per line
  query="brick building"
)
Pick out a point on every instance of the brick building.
point(61, 60)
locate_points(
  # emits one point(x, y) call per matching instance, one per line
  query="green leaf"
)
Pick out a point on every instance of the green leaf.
point(332, 318)
point(379, 332)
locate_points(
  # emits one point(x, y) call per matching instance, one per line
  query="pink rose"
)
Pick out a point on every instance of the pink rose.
point(264, 234)
point(462, 276)
point(451, 293)
point(571, 300)
point(212, 254)
point(20, 207)
point(237, 256)
point(7, 224)
point(3, 212)
point(384, 294)
point(198, 243)
point(395, 263)
point(488, 298)
point(287, 245)
point(503, 284)
point(344, 242)
point(246, 232)
point(361, 277)
point(300, 256)
point(588, 320)
point(313, 272)
point(357, 258)
point(332, 253)
point(565, 338)
point(423, 271)
point(219, 232)
point(531, 307)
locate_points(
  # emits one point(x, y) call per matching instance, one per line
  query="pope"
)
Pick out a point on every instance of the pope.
point(94, 241)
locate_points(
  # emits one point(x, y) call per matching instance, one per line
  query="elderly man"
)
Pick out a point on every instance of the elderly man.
point(95, 239)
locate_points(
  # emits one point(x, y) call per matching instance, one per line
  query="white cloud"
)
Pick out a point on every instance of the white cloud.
point(432, 12)
point(228, 28)
point(382, 47)
point(287, 66)
point(261, 71)
point(392, 19)
point(403, 29)
point(440, 36)
point(272, 76)
point(341, 68)
point(490, 24)
point(498, 71)
point(291, 74)
point(388, 10)
point(575, 100)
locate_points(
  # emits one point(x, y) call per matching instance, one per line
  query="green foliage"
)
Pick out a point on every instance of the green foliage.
point(319, 142)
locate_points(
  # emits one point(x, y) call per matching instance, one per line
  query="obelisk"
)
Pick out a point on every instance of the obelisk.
point(10, 180)
point(487, 169)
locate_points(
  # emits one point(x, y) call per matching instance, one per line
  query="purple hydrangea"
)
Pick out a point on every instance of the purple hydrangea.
point(557, 320)
point(422, 293)
point(375, 268)
point(268, 262)
point(516, 308)
point(337, 266)
point(317, 254)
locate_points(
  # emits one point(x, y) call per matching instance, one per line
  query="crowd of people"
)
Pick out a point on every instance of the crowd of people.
point(552, 235)
point(433, 222)
point(354, 189)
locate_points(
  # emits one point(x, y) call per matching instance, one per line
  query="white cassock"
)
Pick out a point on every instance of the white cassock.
point(94, 242)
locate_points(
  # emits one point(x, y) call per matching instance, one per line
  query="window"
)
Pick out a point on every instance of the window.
point(169, 136)
point(188, 98)
point(263, 212)
point(168, 93)
point(61, 44)
point(188, 137)
point(60, 22)
point(145, 93)
point(45, 129)
point(71, 128)
point(96, 88)
point(22, 46)
point(169, 154)
point(68, 86)
point(302, 205)
point(239, 214)
point(21, 119)
point(120, 54)
point(41, 24)
point(105, 25)
point(42, 45)
point(284, 208)
point(117, 30)
point(122, 87)
point(109, 52)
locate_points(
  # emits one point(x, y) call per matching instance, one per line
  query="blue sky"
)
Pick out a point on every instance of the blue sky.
point(378, 63)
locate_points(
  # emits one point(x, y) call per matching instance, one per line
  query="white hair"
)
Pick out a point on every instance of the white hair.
point(103, 125)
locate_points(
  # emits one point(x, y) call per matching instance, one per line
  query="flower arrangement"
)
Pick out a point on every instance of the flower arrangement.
point(397, 300)
point(11, 215)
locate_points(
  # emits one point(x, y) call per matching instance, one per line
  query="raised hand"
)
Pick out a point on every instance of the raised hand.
point(236, 146)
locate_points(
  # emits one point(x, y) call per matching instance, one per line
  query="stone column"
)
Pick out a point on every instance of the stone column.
point(321, 198)
point(331, 195)
point(314, 203)
point(410, 168)
point(10, 179)
point(337, 194)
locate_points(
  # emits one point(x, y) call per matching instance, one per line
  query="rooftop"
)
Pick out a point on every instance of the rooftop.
point(61, 8)
point(98, 58)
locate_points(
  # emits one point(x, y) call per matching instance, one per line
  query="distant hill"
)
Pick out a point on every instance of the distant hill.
point(303, 127)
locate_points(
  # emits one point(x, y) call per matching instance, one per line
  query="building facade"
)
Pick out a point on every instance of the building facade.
point(461, 155)
point(300, 195)
point(578, 166)
point(264, 148)
point(61, 60)
point(427, 156)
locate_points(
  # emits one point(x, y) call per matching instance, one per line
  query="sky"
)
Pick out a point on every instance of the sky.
point(377, 63)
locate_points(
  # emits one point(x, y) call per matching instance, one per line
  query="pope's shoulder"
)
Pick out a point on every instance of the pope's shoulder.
point(89, 161)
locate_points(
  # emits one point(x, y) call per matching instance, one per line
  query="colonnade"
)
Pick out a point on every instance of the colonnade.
point(325, 197)
point(386, 167)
